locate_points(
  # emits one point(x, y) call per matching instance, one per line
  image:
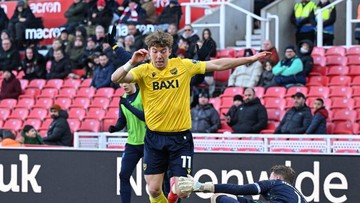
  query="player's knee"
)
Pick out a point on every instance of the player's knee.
point(154, 191)
point(183, 195)
point(213, 198)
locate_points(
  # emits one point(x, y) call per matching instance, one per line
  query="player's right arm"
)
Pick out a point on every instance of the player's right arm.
point(122, 75)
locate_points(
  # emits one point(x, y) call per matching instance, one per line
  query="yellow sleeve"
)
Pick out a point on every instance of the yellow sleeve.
point(137, 73)
point(194, 66)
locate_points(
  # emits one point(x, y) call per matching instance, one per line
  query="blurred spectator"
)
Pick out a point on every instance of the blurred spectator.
point(234, 109)
point(183, 49)
point(149, 7)
point(5, 34)
point(139, 38)
point(4, 20)
point(247, 75)
point(9, 56)
point(60, 66)
point(205, 118)
point(8, 139)
point(206, 35)
point(267, 75)
point(303, 18)
point(133, 13)
point(33, 64)
point(102, 74)
point(29, 135)
point(89, 51)
point(75, 15)
point(93, 62)
point(75, 50)
point(172, 29)
point(268, 46)
point(59, 130)
point(288, 71)
point(192, 37)
point(10, 86)
point(22, 18)
point(171, 14)
point(56, 44)
point(64, 38)
point(318, 123)
point(305, 49)
point(329, 18)
point(357, 29)
point(251, 116)
point(258, 5)
point(101, 14)
point(297, 119)
point(80, 31)
point(120, 42)
point(100, 35)
point(129, 44)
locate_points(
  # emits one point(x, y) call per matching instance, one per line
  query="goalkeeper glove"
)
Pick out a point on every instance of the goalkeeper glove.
point(187, 184)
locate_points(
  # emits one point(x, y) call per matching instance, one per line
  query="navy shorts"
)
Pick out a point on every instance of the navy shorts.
point(173, 151)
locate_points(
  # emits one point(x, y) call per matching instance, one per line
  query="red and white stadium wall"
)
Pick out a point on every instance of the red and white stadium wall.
point(82, 176)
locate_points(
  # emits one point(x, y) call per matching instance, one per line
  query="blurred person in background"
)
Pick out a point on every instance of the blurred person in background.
point(29, 135)
point(33, 64)
point(10, 86)
point(9, 56)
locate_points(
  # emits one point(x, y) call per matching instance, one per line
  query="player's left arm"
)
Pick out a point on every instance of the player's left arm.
point(227, 63)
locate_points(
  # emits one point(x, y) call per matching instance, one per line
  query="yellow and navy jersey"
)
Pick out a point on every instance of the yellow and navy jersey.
point(166, 93)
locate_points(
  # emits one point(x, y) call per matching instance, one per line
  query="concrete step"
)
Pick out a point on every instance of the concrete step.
point(257, 31)
point(243, 43)
point(255, 37)
point(257, 48)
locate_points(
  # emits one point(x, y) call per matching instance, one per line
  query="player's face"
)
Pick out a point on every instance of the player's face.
point(159, 56)
point(128, 88)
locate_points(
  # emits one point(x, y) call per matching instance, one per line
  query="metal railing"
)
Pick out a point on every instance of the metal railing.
point(100, 140)
point(222, 20)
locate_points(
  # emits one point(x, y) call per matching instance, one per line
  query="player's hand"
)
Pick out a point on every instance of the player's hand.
point(261, 55)
point(110, 37)
point(124, 101)
point(188, 185)
point(138, 56)
point(204, 51)
point(113, 129)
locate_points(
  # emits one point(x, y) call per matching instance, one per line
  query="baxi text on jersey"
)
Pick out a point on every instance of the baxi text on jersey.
point(170, 84)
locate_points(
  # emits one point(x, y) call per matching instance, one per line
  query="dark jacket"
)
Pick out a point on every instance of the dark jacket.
point(306, 58)
point(59, 132)
point(205, 119)
point(59, 69)
point(170, 15)
point(139, 40)
point(26, 13)
point(102, 76)
point(318, 123)
point(102, 18)
point(34, 68)
point(4, 20)
point(295, 121)
point(32, 140)
point(11, 88)
point(266, 78)
point(10, 59)
point(76, 13)
point(250, 117)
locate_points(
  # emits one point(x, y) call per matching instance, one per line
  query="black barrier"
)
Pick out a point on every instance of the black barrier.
point(37, 175)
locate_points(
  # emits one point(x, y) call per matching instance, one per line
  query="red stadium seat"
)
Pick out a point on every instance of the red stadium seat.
point(36, 123)
point(259, 91)
point(30, 93)
point(112, 113)
point(274, 115)
point(38, 113)
point(337, 70)
point(240, 53)
point(90, 125)
point(278, 92)
point(25, 103)
point(345, 128)
point(344, 115)
point(67, 92)
point(353, 51)
point(74, 124)
point(44, 103)
point(12, 124)
point(4, 113)
point(329, 128)
point(8, 103)
point(232, 91)
point(342, 103)
point(37, 83)
point(216, 102)
point(275, 103)
point(46, 124)
point(222, 76)
point(356, 92)
point(24, 83)
point(104, 92)
point(317, 81)
point(336, 61)
point(340, 81)
point(63, 102)
point(353, 60)
point(87, 92)
point(319, 61)
point(115, 102)
point(289, 103)
point(224, 128)
point(355, 81)
point(227, 52)
point(318, 70)
point(310, 102)
point(292, 90)
point(71, 83)
point(86, 83)
point(48, 93)
point(42, 133)
point(80, 102)
point(19, 113)
point(319, 91)
point(119, 92)
point(270, 128)
point(318, 51)
point(107, 122)
point(354, 71)
point(357, 104)
point(100, 102)
point(336, 51)
point(78, 113)
point(54, 83)
point(95, 113)
point(338, 91)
